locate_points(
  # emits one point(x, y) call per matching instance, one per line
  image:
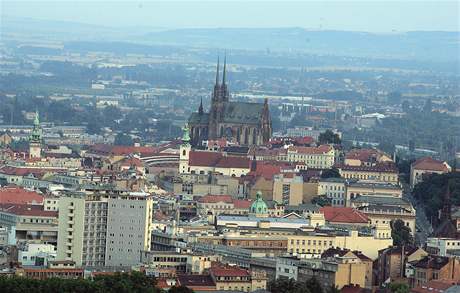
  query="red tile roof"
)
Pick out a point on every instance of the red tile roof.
point(215, 159)
point(322, 149)
point(198, 158)
point(242, 203)
point(27, 210)
point(228, 271)
point(364, 155)
point(21, 171)
point(19, 195)
point(233, 162)
point(215, 199)
point(343, 215)
point(431, 164)
point(434, 286)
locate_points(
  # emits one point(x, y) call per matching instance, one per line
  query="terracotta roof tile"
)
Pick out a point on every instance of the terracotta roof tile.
point(19, 195)
point(343, 215)
point(431, 164)
point(27, 210)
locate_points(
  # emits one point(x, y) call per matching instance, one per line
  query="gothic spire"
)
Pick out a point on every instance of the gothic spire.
point(217, 71)
point(200, 109)
point(225, 69)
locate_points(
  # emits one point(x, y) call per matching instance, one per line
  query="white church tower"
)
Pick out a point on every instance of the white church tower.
point(185, 149)
point(35, 140)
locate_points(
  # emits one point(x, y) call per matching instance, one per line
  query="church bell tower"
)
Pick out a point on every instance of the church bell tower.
point(35, 140)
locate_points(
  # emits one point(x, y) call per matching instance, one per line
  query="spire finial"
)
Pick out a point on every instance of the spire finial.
point(200, 109)
point(217, 71)
point(225, 68)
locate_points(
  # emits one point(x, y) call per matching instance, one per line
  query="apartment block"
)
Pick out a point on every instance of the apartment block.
point(104, 230)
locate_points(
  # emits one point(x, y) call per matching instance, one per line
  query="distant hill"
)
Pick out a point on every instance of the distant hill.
point(417, 45)
point(440, 46)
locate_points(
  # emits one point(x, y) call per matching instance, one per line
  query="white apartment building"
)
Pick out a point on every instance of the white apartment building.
point(36, 254)
point(104, 230)
point(443, 246)
point(334, 189)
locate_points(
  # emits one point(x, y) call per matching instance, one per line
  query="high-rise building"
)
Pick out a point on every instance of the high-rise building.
point(104, 230)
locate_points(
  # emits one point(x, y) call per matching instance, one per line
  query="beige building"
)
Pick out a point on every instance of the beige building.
point(358, 188)
point(288, 189)
point(384, 209)
point(104, 230)
point(314, 243)
point(380, 172)
point(321, 157)
point(425, 166)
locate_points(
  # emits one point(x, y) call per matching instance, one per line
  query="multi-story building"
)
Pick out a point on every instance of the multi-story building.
point(315, 243)
point(229, 278)
point(26, 222)
point(391, 263)
point(366, 157)
point(104, 230)
point(379, 172)
point(384, 209)
point(288, 189)
point(443, 246)
point(425, 166)
point(357, 188)
point(433, 267)
point(334, 189)
point(321, 157)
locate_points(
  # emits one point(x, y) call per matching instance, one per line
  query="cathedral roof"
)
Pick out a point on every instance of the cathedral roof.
point(242, 112)
point(197, 118)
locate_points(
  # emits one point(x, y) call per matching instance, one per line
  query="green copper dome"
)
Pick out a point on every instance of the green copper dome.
point(259, 207)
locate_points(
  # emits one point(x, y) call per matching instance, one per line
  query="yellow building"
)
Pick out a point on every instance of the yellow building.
point(321, 157)
point(315, 243)
point(380, 172)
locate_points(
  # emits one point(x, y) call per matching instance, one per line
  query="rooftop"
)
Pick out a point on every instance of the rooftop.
point(430, 164)
point(343, 215)
point(19, 195)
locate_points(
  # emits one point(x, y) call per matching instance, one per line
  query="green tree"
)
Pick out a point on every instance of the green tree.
point(283, 285)
point(329, 137)
point(314, 285)
point(123, 139)
point(330, 173)
point(399, 288)
point(400, 233)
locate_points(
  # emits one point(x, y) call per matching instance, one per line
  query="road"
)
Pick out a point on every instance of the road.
point(424, 228)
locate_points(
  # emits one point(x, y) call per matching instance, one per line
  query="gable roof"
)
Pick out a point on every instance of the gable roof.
point(322, 149)
point(215, 159)
point(428, 163)
point(27, 210)
point(242, 112)
point(343, 215)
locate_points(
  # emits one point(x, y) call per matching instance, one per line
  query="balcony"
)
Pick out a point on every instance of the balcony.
point(69, 229)
point(69, 236)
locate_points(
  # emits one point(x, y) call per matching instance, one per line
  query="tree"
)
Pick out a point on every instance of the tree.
point(321, 200)
point(123, 139)
point(400, 233)
point(399, 288)
point(287, 286)
point(314, 285)
point(330, 173)
point(329, 137)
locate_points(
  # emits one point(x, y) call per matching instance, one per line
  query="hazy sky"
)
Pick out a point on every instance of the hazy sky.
point(365, 15)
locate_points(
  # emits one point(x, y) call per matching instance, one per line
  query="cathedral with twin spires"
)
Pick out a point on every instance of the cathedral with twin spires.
point(241, 122)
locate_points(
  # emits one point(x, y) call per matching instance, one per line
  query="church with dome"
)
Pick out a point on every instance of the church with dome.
point(258, 218)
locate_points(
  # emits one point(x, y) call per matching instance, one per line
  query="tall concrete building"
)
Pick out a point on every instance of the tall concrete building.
point(104, 230)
